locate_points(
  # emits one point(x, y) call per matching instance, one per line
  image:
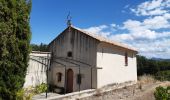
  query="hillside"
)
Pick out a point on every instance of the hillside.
point(160, 59)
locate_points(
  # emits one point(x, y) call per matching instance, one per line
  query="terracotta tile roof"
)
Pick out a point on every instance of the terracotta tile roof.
point(106, 40)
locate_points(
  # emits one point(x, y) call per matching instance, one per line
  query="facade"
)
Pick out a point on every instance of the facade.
point(36, 71)
point(80, 60)
point(118, 65)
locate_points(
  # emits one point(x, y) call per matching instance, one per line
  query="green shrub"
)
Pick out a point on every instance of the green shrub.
point(24, 94)
point(162, 93)
point(40, 88)
point(163, 75)
point(28, 93)
point(20, 94)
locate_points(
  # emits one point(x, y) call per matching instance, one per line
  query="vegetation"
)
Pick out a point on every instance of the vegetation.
point(15, 38)
point(162, 93)
point(163, 75)
point(41, 47)
point(40, 88)
point(158, 68)
point(144, 79)
point(28, 93)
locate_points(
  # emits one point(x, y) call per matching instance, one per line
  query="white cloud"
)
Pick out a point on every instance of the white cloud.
point(113, 25)
point(156, 22)
point(98, 30)
point(149, 43)
point(122, 37)
point(163, 35)
point(154, 7)
point(148, 35)
point(149, 5)
point(138, 31)
point(131, 24)
point(156, 48)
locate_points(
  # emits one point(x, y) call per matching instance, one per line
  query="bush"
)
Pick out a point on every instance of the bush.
point(24, 94)
point(163, 75)
point(146, 79)
point(162, 93)
point(20, 94)
point(28, 93)
point(40, 88)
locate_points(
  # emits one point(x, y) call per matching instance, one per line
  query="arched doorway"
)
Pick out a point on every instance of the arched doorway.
point(69, 81)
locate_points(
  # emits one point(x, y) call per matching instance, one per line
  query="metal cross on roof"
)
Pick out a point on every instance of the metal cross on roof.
point(69, 19)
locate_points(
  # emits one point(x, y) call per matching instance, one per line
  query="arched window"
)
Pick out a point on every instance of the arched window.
point(69, 54)
point(59, 77)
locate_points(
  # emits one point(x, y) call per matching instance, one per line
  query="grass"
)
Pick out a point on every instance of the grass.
point(28, 93)
point(145, 79)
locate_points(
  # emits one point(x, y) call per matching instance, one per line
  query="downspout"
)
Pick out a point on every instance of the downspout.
point(91, 78)
point(65, 87)
point(79, 80)
point(47, 73)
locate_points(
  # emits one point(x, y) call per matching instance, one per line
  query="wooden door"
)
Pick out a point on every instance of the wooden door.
point(69, 81)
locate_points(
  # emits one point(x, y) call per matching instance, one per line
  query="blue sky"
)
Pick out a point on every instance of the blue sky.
point(143, 24)
point(48, 18)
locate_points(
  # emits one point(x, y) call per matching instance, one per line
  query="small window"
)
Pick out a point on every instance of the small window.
point(79, 78)
point(126, 59)
point(69, 54)
point(59, 76)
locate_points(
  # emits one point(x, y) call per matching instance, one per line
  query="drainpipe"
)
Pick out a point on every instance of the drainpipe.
point(79, 80)
point(91, 77)
point(47, 73)
point(65, 81)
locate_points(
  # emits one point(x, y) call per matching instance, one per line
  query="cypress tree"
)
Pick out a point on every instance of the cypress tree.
point(15, 38)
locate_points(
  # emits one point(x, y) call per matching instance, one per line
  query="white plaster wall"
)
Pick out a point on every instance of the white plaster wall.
point(36, 72)
point(112, 61)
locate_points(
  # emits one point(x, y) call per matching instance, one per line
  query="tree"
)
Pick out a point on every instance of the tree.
point(141, 65)
point(15, 38)
point(147, 66)
point(42, 47)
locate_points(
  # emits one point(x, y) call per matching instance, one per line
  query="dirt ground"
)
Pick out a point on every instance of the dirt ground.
point(142, 90)
point(134, 92)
